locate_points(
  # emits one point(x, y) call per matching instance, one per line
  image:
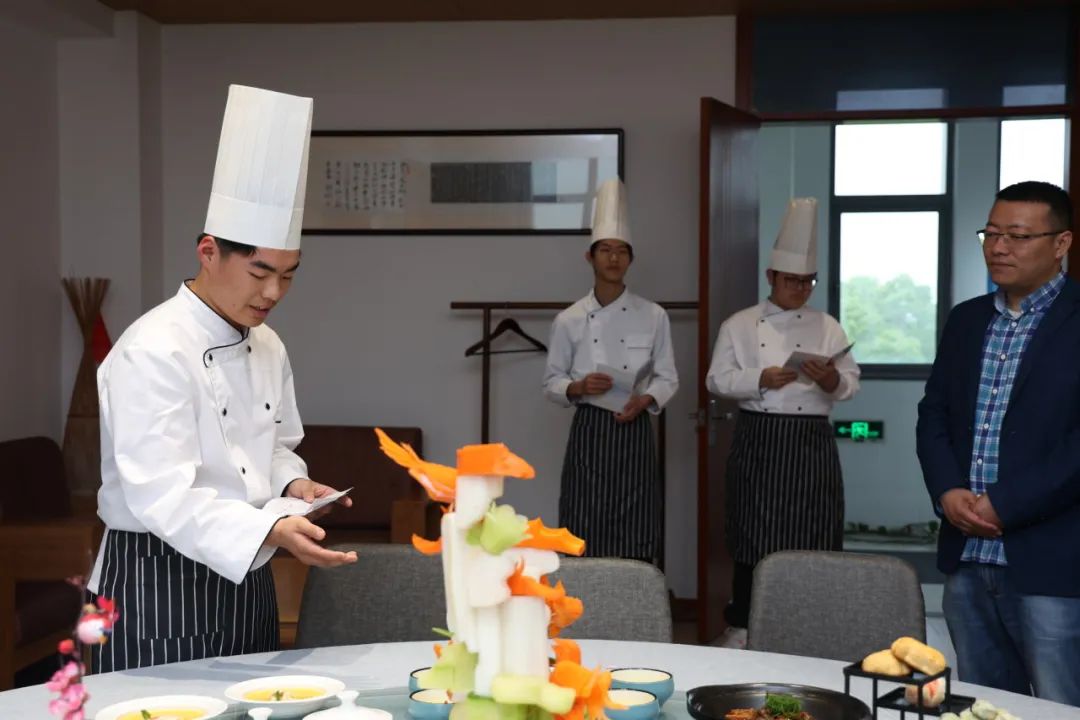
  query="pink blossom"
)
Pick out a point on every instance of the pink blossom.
point(92, 629)
point(75, 695)
point(63, 677)
point(93, 626)
point(70, 703)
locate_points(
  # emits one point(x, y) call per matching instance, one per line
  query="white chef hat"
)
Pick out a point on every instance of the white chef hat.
point(261, 172)
point(795, 250)
point(610, 218)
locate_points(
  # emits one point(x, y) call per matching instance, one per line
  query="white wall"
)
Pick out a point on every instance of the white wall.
point(99, 179)
point(882, 480)
point(368, 324)
point(30, 295)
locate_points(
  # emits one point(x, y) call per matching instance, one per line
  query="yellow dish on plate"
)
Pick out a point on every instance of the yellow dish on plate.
point(165, 707)
point(297, 696)
point(164, 714)
point(283, 694)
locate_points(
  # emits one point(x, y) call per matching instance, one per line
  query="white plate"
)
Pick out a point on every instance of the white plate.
point(286, 708)
point(213, 707)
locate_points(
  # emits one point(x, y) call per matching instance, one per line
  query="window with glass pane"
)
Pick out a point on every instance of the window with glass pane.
point(888, 285)
point(889, 251)
point(890, 158)
point(1032, 149)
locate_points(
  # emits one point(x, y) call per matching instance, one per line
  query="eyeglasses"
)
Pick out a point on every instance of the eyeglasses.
point(797, 282)
point(1011, 239)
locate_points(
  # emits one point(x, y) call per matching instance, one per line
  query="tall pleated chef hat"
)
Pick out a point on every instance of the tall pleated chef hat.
point(610, 217)
point(795, 250)
point(261, 172)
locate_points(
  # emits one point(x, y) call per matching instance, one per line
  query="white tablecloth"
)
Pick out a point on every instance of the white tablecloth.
point(366, 667)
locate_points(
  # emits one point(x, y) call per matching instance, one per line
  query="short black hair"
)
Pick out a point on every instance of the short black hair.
point(1044, 193)
point(592, 249)
point(228, 247)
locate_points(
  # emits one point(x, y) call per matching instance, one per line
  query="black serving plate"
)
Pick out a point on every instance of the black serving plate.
point(713, 702)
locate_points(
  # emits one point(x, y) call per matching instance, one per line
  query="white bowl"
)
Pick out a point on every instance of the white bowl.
point(213, 707)
point(286, 708)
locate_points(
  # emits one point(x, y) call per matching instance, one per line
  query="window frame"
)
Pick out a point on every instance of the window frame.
point(941, 204)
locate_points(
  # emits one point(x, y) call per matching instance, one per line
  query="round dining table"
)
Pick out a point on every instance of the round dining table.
point(386, 666)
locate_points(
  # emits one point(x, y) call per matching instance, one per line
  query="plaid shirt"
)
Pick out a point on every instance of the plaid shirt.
point(1006, 340)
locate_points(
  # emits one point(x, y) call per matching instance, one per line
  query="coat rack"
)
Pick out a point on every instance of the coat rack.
point(483, 348)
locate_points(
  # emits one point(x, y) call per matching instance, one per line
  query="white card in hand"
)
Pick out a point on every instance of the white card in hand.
point(297, 506)
point(623, 384)
point(797, 358)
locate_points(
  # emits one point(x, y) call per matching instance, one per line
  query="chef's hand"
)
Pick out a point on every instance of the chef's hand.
point(824, 374)
point(774, 378)
point(634, 407)
point(959, 506)
point(301, 537)
point(308, 490)
point(591, 384)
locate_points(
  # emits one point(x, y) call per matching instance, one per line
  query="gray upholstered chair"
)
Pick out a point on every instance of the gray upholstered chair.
point(835, 605)
point(391, 594)
point(394, 593)
point(624, 599)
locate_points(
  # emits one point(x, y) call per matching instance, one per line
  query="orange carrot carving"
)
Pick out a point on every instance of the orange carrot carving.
point(427, 547)
point(566, 649)
point(440, 481)
point(557, 539)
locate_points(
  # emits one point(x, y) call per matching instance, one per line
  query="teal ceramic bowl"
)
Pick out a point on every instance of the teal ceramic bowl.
point(657, 682)
point(640, 704)
point(429, 705)
point(414, 683)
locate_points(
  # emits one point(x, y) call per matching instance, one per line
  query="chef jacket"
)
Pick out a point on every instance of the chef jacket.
point(198, 427)
point(625, 334)
point(764, 336)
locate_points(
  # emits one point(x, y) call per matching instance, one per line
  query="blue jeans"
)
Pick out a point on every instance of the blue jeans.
point(1010, 641)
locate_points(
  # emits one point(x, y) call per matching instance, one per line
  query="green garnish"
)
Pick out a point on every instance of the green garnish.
point(146, 715)
point(444, 633)
point(782, 706)
point(278, 695)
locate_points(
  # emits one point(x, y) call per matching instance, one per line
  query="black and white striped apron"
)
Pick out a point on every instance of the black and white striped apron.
point(785, 490)
point(611, 485)
point(173, 608)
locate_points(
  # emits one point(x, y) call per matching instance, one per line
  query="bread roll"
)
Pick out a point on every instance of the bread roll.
point(918, 655)
point(933, 693)
point(984, 710)
point(885, 663)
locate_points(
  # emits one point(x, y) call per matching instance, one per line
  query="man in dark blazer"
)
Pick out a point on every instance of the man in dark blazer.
point(999, 444)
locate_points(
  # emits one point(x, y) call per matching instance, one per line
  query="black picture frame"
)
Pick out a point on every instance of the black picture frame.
point(458, 182)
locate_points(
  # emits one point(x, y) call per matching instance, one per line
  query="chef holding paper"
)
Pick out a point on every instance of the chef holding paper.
point(199, 419)
point(786, 364)
point(610, 356)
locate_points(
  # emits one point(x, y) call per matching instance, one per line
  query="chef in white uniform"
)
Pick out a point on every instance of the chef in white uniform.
point(611, 495)
point(199, 419)
point(784, 485)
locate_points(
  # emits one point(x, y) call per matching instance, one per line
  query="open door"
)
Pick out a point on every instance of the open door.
point(727, 282)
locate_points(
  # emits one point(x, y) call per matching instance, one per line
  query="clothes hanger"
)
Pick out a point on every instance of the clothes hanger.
point(511, 325)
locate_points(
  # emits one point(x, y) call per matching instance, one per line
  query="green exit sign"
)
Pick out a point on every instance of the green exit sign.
point(859, 430)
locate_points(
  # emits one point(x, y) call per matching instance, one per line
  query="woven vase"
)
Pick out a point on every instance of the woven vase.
point(82, 434)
